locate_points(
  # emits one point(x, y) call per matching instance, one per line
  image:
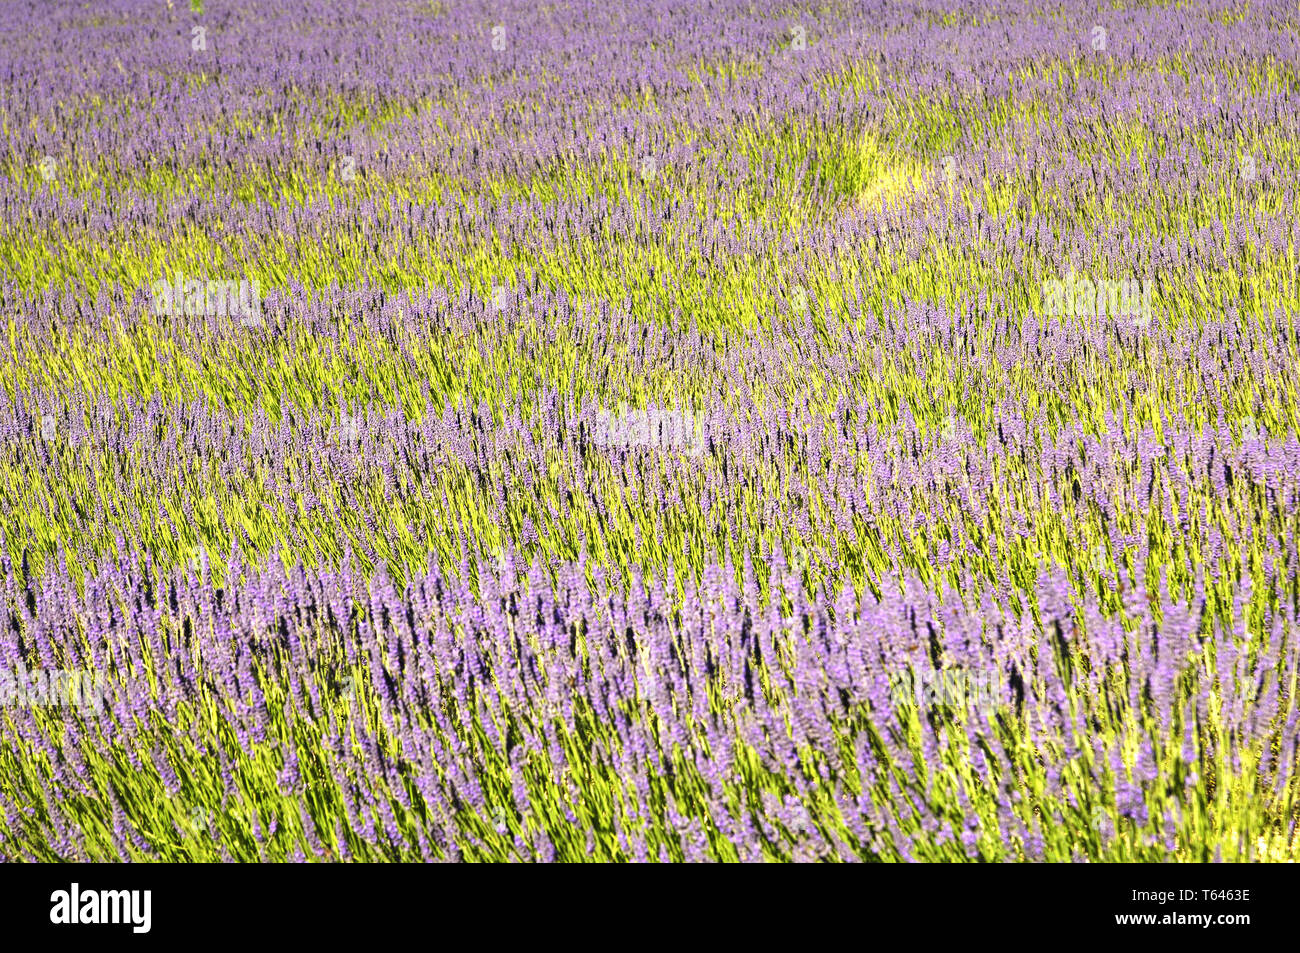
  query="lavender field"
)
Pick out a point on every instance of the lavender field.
point(654, 431)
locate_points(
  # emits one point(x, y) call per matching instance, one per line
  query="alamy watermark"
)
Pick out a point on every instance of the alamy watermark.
point(75, 906)
point(198, 297)
point(1078, 297)
point(349, 430)
point(950, 688)
point(53, 687)
point(666, 429)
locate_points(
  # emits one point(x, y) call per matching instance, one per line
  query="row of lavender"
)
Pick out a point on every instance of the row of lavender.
point(552, 713)
point(976, 457)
